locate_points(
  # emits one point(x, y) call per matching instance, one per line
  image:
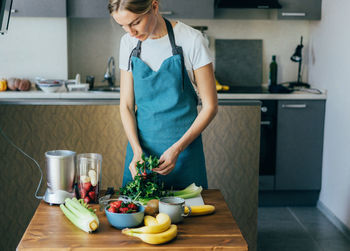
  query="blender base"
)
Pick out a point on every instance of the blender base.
point(56, 197)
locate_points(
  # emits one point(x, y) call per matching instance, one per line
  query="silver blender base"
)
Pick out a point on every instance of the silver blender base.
point(56, 197)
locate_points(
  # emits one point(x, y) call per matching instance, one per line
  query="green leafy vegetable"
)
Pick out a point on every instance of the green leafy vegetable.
point(189, 192)
point(146, 184)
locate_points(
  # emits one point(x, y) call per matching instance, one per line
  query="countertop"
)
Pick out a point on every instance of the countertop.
point(49, 229)
point(67, 98)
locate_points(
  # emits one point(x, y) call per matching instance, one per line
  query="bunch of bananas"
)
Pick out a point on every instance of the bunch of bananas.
point(156, 230)
point(220, 87)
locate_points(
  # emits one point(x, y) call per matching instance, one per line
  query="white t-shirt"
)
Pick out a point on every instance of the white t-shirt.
point(155, 51)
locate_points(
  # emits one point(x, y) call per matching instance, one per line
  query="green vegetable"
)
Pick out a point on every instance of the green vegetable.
point(80, 215)
point(189, 192)
point(146, 185)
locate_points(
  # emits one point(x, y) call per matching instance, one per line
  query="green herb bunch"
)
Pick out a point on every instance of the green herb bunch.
point(146, 184)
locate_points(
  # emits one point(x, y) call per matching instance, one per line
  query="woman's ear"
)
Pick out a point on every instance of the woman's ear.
point(155, 5)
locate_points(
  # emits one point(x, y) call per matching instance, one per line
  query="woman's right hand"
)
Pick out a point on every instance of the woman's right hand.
point(133, 163)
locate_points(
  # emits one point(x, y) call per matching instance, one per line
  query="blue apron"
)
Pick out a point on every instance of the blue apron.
point(166, 108)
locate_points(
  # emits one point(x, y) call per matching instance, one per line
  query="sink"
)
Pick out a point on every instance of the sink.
point(106, 89)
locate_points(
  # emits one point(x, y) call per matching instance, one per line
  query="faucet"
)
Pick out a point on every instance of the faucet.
point(110, 76)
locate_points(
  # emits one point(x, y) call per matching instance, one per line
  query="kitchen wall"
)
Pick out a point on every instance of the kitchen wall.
point(328, 69)
point(92, 41)
point(34, 47)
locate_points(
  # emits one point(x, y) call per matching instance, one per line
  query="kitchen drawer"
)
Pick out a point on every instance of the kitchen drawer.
point(300, 9)
point(187, 8)
point(39, 8)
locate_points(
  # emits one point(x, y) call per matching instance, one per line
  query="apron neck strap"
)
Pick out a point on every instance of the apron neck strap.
point(170, 30)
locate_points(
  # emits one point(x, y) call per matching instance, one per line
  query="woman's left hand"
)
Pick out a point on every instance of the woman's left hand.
point(167, 161)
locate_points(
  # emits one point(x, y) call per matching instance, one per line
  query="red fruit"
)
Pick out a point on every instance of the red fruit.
point(87, 186)
point(87, 199)
point(123, 210)
point(92, 195)
point(132, 206)
point(82, 193)
point(112, 210)
point(116, 204)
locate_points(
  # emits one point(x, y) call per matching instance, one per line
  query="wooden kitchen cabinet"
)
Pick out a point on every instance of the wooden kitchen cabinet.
point(300, 9)
point(39, 8)
point(300, 125)
point(187, 8)
point(87, 8)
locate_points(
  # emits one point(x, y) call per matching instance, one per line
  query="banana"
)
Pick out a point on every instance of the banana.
point(200, 210)
point(156, 238)
point(163, 224)
point(220, 87)
point(149, 220)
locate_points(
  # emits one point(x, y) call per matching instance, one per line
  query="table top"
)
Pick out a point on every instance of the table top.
point(49, 229)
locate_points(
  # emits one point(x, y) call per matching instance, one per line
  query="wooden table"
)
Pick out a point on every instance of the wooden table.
point(49, 229)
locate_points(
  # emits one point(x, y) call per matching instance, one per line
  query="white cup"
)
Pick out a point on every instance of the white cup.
point(174, 207)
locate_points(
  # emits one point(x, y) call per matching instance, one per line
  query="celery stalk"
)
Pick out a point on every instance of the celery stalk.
point(79, 215)
point(189, 192)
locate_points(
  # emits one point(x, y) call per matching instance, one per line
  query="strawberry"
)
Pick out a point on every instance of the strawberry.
point(87, 186)
point(87, 200)
point(116, 204)
point(132, 206)
point(112, 210)
point(92, 195)
point(123, 210)
point(83, 193)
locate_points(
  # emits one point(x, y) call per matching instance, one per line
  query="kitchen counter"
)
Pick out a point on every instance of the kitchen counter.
point(110, 98)
point(49, 229)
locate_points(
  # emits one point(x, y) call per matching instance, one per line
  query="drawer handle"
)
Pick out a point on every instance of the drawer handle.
point(293, 14)
point(166, 12)
point(265, 123)
point(14, 11)
point(294, 106)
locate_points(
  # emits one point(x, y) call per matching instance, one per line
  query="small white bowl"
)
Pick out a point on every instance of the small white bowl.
point(49, 85)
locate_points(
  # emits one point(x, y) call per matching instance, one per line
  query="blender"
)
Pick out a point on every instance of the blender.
point(60, 170)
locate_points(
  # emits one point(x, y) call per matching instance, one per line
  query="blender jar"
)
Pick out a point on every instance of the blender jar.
point(89, 176)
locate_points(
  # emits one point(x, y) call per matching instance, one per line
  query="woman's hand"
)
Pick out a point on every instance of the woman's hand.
point(133, 163)
point(167, 161)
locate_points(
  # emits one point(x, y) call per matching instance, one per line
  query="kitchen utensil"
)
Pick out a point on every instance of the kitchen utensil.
point(76, 86)
point(90, 80)
point(89, 176)
point(174, 207)
point(60, 169)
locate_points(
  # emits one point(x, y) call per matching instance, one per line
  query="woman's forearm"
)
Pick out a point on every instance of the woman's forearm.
point(130, 128)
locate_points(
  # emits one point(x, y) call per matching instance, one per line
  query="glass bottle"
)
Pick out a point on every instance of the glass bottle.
point(273, 71)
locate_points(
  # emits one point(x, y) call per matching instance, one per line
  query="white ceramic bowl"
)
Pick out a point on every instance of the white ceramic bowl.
point(49, 85)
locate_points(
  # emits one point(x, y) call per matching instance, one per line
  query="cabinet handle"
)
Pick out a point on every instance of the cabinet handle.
point(166, 12)
point(14, 11)
point(265, 123)
point(293, 14)
point(294, 106)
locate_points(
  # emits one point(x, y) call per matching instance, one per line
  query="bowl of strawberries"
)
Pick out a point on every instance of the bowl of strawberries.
point(123, 213)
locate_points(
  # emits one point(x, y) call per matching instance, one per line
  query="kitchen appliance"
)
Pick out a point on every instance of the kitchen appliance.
point(258, 4)
point(267, 164)
point(60, 169)
point(5, 13)
point(89, 176)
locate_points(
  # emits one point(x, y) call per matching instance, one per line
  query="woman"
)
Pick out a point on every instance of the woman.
point(159, 60)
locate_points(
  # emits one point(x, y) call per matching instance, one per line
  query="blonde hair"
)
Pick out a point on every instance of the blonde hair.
point(135, 6)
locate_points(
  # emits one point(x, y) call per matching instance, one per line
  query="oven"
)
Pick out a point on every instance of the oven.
point(267, 164)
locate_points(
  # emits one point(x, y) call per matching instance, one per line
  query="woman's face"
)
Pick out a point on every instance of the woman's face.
point(140, 26)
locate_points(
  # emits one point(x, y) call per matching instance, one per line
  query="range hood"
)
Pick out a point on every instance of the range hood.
point(252, 4)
